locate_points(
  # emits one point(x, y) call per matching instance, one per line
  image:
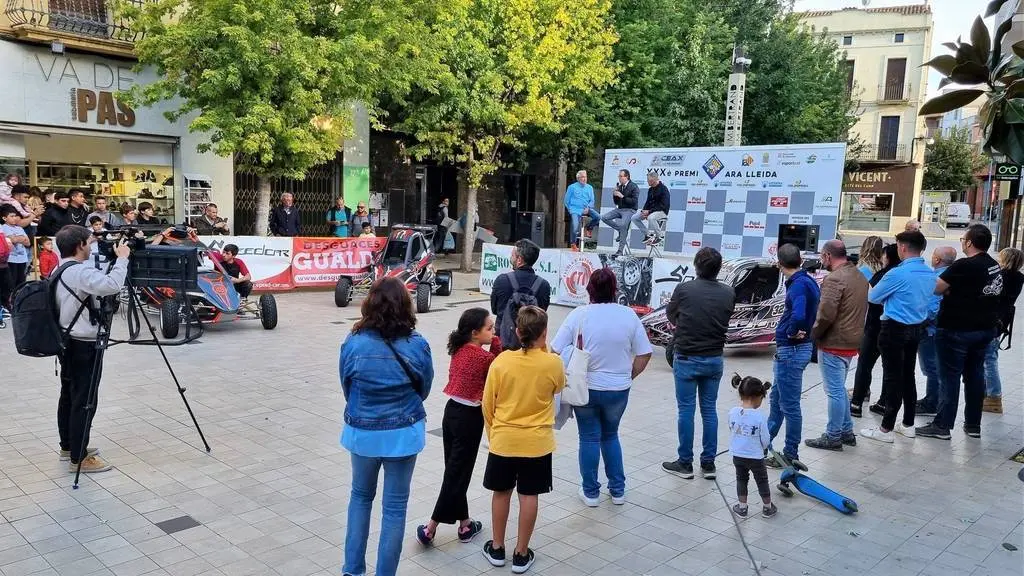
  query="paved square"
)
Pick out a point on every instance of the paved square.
point(271, 497)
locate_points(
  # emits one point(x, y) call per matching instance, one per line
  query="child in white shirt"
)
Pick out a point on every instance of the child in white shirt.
point(748, 428)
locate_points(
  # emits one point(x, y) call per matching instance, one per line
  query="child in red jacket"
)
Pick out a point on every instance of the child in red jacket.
point(48, 259)
point(463, 423)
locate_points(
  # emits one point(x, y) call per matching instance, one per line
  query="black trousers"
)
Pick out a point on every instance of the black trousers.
point(5, 287)
point(244, 288)
point(73, 422)
point(461, 429)
point(867, 356)
point(746, 466)
point(19, 272)
point(898, 343)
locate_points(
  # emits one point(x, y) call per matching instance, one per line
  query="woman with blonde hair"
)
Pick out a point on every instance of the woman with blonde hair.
point(1011, 260)
point(869, 260)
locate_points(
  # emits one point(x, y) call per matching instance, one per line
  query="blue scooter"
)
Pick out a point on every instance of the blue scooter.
point(808, 486)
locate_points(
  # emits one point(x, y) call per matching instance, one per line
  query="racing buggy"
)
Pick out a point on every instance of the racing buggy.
point(760, 301)
point(408, 255)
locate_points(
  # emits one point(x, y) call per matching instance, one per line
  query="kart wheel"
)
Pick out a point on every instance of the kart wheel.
point(268, 311)
point(670, 352)
point(170, 318)
point(445, 283)
point(785, 489)
point(423, 297)
point(343, 292)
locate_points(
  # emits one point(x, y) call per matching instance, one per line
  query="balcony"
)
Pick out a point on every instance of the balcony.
point(885, 153)
point(80, 21)
point(893, 92)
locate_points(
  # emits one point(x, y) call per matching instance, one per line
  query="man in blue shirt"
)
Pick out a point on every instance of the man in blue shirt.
point(927, 353)
point(905, 294)
point(793, 351)
point(579, 201)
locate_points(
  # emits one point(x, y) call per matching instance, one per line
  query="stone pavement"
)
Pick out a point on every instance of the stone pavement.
point(271, 497)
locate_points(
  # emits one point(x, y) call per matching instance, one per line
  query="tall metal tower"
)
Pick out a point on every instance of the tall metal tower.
point(735, 97)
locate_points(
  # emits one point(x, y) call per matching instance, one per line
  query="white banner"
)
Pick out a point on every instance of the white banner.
point(574, 275)
point(496, 260)
point(268, 259)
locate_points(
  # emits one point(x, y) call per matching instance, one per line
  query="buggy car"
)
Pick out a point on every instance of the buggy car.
point(760, 301)
point(408, 255)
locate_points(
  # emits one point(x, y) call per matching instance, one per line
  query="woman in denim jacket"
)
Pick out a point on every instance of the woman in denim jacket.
point(386, 372)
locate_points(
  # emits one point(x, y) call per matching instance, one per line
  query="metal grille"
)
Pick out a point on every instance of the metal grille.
point(83, 17)
point(314, 196)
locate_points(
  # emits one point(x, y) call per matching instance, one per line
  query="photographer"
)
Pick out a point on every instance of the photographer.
point(78, 289)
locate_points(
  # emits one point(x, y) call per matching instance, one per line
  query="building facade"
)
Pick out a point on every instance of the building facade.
point(884, 48)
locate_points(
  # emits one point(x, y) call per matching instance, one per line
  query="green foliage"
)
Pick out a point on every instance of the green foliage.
point(951, 161)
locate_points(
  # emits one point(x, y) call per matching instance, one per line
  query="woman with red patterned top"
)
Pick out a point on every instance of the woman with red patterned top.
point(463, 422)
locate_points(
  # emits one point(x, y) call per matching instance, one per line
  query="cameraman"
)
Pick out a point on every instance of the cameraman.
point(80, 286)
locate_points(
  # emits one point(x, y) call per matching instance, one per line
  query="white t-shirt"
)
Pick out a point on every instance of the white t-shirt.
point(613, 335)
point(749, 431)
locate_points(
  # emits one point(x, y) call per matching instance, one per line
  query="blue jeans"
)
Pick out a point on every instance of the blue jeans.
point(963, 355)
point(575, 220)
point(784, 398)
point(928, 357)
point(697, 376)
point(598, 423)
point(834, 369)
point(993, 387)
point(397, 478)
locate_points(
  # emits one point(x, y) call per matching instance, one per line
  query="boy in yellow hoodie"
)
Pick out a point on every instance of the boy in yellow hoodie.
point(519, 412)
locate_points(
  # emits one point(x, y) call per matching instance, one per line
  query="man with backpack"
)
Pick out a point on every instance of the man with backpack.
point(520, 287)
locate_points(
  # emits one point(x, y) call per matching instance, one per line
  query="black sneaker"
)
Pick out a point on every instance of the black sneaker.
point(933, 431)
point(877, 408)
point(849, 439)
point(855, 410)
point(772, 462)
point(707, 469)
point(496, 556)
point(679, 468)
point(522, 562)
point(973, 431)
point(472, 529)
point(824, 442)
point(740, 510)
point(923, 408)
point(769, 510)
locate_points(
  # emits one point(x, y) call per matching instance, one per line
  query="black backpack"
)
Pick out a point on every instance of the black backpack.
point(36, 317)
point(507, 320)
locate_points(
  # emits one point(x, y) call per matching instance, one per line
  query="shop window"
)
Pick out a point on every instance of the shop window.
point(865, 212)
point(122, 185)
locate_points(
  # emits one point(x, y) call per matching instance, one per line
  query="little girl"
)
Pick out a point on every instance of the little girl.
point(750, 439)
point(463, 423)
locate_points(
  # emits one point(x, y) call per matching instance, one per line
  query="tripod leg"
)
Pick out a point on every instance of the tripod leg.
point(90, 405)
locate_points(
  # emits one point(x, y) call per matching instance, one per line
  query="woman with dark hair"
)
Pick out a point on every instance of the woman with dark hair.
point(386, 372)
point(869, 352)
point(617, 356)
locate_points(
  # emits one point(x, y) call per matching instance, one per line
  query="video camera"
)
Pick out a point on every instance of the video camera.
point(108, 240)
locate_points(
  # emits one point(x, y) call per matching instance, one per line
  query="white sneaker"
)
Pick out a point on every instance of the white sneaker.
point(877, 434)
point(905, 431)
point(591, 502)
point(619, 500)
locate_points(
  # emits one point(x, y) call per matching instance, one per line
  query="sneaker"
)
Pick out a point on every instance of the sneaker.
point(496, 556)
point(467, 534)
point(923, 408)
point(590, 502)
point(855, 410)
point(619, 500)
point(740, 510)
point(424, 538)
point(849, 439)
point(769, 510)
point(65, 455)
point(679, 468)
point(993, 404)
point(772, 462)
point(905, 431)
point(877, 434)
point(707, 469)
point(824, 442)
point(973, 431)
point(877, 408)
point(932, 431)
point(522, 562)
point(91, 465)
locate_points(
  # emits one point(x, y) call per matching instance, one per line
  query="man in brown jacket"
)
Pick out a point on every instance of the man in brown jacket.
point(837, 331)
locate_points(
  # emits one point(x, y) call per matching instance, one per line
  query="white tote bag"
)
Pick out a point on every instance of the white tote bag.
point(576, 392)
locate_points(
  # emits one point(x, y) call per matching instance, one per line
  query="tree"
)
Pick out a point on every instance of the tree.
point(272, 82)
point(510, 66)
point(951, 161)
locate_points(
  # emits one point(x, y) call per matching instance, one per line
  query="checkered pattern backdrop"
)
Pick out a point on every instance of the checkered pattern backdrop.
point(733, 199)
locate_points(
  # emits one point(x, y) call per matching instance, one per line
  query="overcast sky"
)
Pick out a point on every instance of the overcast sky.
point(950, 18)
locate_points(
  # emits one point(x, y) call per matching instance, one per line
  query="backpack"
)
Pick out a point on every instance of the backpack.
point(507, 321)
point(36, 317)
point(5, 249)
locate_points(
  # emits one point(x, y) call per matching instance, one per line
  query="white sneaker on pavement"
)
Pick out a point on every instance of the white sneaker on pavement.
point(905, 431)
point(877, 434)
point(590, 502)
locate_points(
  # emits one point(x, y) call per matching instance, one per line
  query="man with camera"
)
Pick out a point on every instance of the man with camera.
point(79, 286)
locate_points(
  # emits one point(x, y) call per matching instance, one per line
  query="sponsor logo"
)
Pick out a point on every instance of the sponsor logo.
point(254, 250)
point(696, 201)
point(577, 277)
point(753, 224)
point(723, 184)
point(632, 161)
point(826, 202)
point(773, 184)
point(699, 183)
point(695, 243)
point(668, 160)
point(766, 159)
point(751, 174)
point(827, 157)
point(748, 160)
point(797, 184)
point(779, 202)
point(616, 161)
point(747, 184)
point(731, 246)
point(713, 219)
point(493, 263)
point(773, 248)
point(812, 158)
point(788, 159)
point(677, 184)
point(713, 166)
point(735, 201)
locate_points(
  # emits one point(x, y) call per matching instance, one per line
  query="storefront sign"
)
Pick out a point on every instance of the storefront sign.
point(320, 261)
point(1006, 171)
point(898, 181)
point(102, 107)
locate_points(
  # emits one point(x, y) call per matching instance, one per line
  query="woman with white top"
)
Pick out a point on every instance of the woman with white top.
point(617, 356)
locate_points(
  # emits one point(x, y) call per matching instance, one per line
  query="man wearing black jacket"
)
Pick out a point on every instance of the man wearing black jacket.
point(655, 209)
point(284, 219)
point(56, 215)
point(626, 197)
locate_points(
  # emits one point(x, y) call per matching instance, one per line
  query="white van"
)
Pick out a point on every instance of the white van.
point(958, 214)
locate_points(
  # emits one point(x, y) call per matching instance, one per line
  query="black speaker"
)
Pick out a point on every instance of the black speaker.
point(805, 236)
point(530, 225)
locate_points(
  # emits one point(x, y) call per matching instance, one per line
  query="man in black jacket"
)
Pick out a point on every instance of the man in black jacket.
point(626, 197)
point(524, 255)
point(655, 210)
point(284, 219)
point(78, 211)
point(56, 215)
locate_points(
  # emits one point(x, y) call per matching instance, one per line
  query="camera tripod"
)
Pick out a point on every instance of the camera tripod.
point(103, 341)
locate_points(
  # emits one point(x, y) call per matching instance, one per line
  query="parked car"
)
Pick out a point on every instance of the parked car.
point(958, 214)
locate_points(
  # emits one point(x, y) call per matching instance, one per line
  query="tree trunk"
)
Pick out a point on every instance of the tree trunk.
point(558, 214)
point(469, 230)
point(263, 206)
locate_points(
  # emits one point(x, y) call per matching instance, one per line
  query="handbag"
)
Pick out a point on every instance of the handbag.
point(576, 392)
point(414, 379)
